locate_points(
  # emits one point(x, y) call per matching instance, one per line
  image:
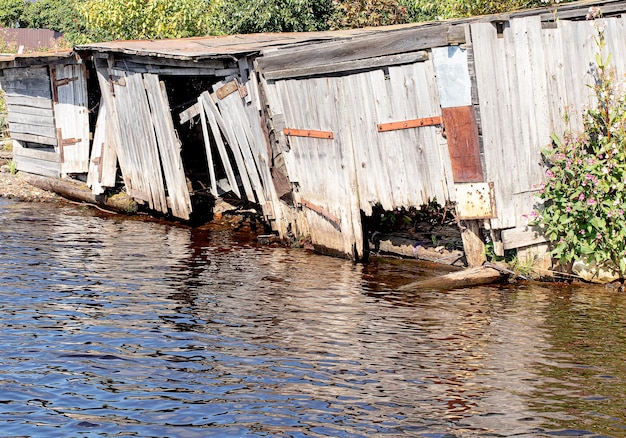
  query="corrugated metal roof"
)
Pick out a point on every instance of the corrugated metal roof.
point(31, 39)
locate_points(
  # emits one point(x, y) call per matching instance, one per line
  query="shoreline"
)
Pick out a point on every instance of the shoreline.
point(13, 186)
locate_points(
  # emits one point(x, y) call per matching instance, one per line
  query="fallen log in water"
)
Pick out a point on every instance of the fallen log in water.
point(77, 191)
point(486, 274)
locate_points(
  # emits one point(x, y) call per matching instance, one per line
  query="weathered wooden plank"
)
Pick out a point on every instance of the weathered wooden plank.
point(24, 73)
point(144, 142)
point(221, 147)
point(238, 123)
point(24, 113)
point(207, 147)
point(520, 237)
point(103, 161)
point(368, 46)
point(38, 166)
point(137, 148)
point(162, 65)
point(232, 141)
point(191, 112)
point(72, 115)
point(31, 119)
point(474, 276)
point(347, 66)
point(34, 138)
point(18, 100)
point(492, 81)
point(112, 119)
point(38, 154)
point(473, 243)
point(39, 130)
point(33, 87)
point(30, 81)
point(169, 147)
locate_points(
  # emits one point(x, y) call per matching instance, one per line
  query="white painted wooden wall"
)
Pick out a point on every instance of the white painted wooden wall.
point(71, 116)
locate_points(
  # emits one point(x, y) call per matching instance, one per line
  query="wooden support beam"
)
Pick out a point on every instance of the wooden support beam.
point(408, 124)
point(473, 244)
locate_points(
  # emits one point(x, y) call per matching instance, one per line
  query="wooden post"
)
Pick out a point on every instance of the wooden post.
point(473, 243)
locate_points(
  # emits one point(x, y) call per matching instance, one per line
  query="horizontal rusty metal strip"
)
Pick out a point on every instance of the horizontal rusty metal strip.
point(407, 124)
point(308, 133)
point(322, 212)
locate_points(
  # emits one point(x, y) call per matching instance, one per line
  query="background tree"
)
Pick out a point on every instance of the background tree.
point(427, 10)
point(11, 12)
point(252, 16)
point(363, 13)
point(146, 19)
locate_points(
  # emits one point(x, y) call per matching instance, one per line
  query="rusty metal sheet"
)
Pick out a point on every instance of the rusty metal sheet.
point(475, 201)
point(308, 133)
point(461, 132)
point(407, 124)
point(226, 90)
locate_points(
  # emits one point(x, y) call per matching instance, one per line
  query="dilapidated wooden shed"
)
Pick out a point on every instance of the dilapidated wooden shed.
point(317, 128)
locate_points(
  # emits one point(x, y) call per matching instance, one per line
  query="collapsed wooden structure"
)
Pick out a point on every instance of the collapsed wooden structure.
point(317, 128)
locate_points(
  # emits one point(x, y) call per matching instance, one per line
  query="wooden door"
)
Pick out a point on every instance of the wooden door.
point(69, 94)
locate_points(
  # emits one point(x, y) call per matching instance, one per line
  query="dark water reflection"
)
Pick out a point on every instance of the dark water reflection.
point(116, 327)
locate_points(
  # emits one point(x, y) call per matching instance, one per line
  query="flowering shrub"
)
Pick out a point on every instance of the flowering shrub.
point(583, 196)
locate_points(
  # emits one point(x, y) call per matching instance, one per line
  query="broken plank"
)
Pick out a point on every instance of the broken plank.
point(465, 278)
point(232, 142)
point(169, 147)
point(207, 147)
point(189, 113)
point(221, 147)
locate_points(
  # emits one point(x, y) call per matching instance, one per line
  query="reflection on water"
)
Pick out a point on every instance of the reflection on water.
point(118, 327)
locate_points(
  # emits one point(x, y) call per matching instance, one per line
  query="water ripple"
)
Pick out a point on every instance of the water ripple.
point(119, 327)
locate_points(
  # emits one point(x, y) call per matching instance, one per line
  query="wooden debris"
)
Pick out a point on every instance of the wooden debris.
point(77, 191)
point(409, 248)
point(486, 274)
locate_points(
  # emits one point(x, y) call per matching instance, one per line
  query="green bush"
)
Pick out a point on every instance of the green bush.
point(583, 196)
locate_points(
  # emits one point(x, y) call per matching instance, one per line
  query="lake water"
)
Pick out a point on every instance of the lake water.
point(112, 326)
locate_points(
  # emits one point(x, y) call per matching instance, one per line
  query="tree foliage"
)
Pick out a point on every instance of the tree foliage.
point(427, 10)
point(252, 16)
point(99, 20)
point(364, 13)
point(11, 12)
point(145, 19)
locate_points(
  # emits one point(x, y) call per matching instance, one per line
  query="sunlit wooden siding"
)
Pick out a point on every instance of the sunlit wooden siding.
point(528, 78)
point(360, 166)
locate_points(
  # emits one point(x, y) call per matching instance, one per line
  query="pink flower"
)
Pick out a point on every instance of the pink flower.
point(591, 201)
point(581, 197)
point(593, 13)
